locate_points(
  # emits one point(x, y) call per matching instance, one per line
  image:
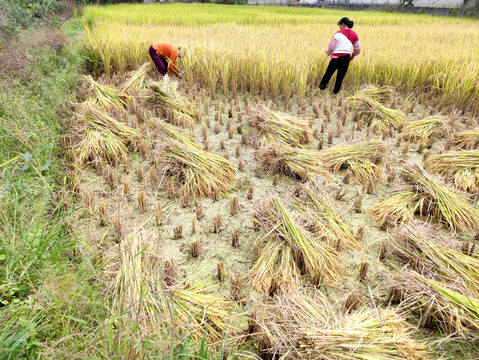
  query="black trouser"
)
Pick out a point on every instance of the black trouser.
point(341, 64)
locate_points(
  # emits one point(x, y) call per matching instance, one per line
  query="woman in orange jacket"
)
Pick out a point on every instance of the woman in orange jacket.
point(164, 56)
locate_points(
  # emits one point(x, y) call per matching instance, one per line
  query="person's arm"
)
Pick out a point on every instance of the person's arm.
point(331, 46)
point(356, 49)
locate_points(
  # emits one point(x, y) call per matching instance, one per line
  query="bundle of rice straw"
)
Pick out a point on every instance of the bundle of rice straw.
point(461, 168)
point(308, 326)
point(367, 104)
point(451, 308)
point(288, 160)
point(426, 196)
point(323, 217)
point(101, 147)
point(357, 159)
point(104, 96)
point(274, 127)
point(201, 173)
point(174, 106)
point(424, 130)
point(426, 250)
point(467, 139)
point(140, 293)
point(137, 80)
point(289, 252)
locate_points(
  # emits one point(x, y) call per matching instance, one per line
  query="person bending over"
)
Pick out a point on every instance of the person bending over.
point(164, 56)
point(343, 48)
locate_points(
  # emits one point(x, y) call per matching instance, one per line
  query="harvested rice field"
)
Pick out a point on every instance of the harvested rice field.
point(240, 212)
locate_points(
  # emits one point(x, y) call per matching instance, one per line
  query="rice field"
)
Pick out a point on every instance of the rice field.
point(241, 210)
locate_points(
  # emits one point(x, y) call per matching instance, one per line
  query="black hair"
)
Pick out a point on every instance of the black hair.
point(347, 22)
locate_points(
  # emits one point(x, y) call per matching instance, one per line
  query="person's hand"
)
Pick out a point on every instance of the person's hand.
point(326, 53)
point(351, 58)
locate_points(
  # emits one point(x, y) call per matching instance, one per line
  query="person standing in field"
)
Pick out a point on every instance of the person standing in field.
point(343, 48)
point(164, 56)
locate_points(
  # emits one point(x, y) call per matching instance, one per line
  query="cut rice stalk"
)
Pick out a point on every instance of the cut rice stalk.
point(308, 326)
point(275, 127)
point(290, 251)
point(467, 139)
point(423, 130)
point(357, 159)
point(461, 168)
point(137, 81)
point(285, 159)
point(105, 96)
point(101, 147)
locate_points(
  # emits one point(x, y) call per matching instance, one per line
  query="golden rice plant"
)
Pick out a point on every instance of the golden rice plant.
point(425, 249)
point(276, 127)
point(288, 160)
point(461, 168)
point(290, 251)
point(201, 173)
point(423, 131)
point(452, 308)
point(357, 160)
point(425, 195)
point(318, 208)
point(174, 106)
point(141, 294)
point(308, 326)
point(467, 139)
point(101, 146)
point(103, 95)
point(367, 104)
point(137, 80)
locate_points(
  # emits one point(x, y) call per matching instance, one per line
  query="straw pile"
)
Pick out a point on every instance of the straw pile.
point(274, 127)
point(200, 172)
point(104, 96)
point(140, 293)
point(426, 196)
point(424, 249)
point(423, 131)
point(290, 251)
point(137, 80)
point(451, 308)
point(358, 161)
point(308, 326)
point(467, 139)
point(288, 160)
point(317, 207)
point(461, 168)
point(367, 104)
point(172, 105)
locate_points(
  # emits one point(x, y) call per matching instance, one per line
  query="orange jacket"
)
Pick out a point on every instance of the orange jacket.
point(169, 52)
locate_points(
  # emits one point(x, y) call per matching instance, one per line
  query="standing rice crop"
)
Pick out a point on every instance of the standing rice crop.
point(288, 160)
point(317, 207)
point(424, 130)
point(461, 168)
point(290, 251)
point(276, 127)
point(467, 139)
point(308, 326)
point(426, 196)
point(357, 160)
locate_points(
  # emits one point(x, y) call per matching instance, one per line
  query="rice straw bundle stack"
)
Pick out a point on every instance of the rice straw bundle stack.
point(423, 247)
point(467, 139)
point(426, 196)
point(288, 160)
point(308, 326)
point(137, 81)
point(139, 292)
point(461, 168)
point(105, 96)
point(101, 147)
point(290, 251)
point(174, 106)
point(452, 308)
point(357, 159)
point(367, 104)
point(275, 127)
point(168, 131)
point(318, 208)
point(423, 131)
point(201, 173)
